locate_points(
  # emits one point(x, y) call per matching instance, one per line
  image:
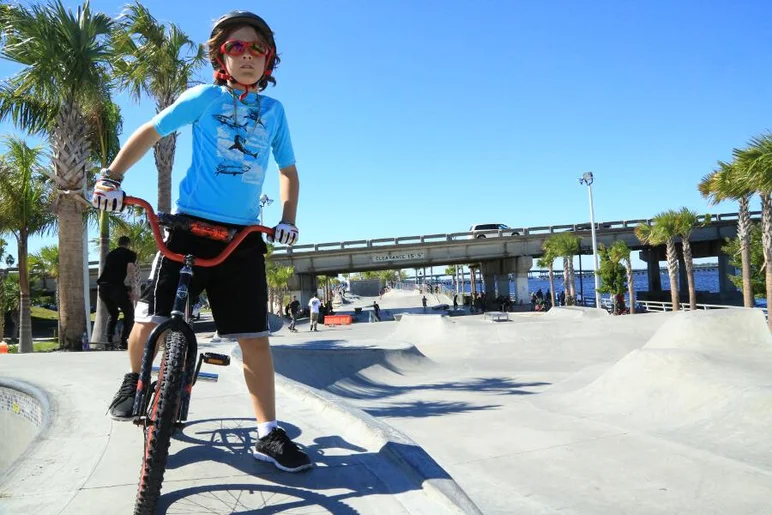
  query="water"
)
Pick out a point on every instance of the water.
point(705, 281)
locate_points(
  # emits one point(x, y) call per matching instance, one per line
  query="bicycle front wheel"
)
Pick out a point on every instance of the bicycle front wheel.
point(161, 420)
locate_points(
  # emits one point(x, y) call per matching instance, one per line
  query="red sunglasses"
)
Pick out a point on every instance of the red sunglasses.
point(235, 48)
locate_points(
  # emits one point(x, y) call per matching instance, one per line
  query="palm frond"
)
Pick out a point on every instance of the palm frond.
point(152, 58)
point(24, 110)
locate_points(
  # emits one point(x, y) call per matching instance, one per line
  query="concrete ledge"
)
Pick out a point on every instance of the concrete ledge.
point(45, 404)
point(496, 316)
point(398, 447)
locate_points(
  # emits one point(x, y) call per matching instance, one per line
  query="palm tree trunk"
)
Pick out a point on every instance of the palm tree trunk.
point(99, 334)
point(552, 281)
point(163, 152)
point(72, 312)
point(2, 304)
point(566, 276)
point(766, 239)
point(672, 269)
point(689, 263)
point(25, 319)
point(744, 235)
point(572, 271)
point(630, 284)
point(70, 155)
point(164, 161)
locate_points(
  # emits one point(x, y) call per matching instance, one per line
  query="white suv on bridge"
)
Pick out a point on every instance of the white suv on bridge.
point(492, 230)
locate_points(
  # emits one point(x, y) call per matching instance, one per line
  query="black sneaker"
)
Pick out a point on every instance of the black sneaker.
point(123, 402)
point(278, 449)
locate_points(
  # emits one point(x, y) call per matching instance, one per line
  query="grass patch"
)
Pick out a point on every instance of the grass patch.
point(43, 313)
point(40, 346)
point(49, 314)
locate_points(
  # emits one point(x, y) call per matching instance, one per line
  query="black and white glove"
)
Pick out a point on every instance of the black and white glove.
point(108, 195)
point(284, 233)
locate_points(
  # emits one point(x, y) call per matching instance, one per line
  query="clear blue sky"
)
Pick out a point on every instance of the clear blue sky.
point(426, 117)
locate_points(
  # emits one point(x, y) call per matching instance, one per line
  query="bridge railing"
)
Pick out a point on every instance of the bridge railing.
point(461, 236)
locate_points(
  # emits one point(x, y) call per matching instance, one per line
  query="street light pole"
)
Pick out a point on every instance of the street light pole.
point(587, 178)
point(264, 201)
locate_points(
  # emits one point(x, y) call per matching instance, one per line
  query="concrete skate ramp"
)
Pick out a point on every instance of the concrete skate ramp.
point(570, 312)
point(722, 330)
point(346, 369)
point(703, 380)
point(422, 328)
point(23, 415)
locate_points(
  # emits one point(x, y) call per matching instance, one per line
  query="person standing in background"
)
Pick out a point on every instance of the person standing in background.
point(116, 289)
point(313, 305)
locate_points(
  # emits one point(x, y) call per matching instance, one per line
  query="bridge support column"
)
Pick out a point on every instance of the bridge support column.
point(652, 267)
point(521, 266)
point(727, 290)
point(496, 277)
point(683, 280)
point(489, 270)
point(302, 285)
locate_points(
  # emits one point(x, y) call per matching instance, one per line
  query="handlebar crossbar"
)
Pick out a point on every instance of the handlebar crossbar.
point(198, 228)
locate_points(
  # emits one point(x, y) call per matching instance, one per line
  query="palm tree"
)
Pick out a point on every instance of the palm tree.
point(664, 231)
point(619, 252)
point(726, 183)
point(686, 222)
point(548, 261)
point(3, 274)
point(105, 124)
point(278, 278)
point(566, 245)
point(160, 62)
point(756, 171)
point(64, 55)
point(24, 211)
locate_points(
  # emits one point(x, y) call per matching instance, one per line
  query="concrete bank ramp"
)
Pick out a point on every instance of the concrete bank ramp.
point(23, 416)
point(87, 464)
point(423, 328)
point(347, 369)
point(572, 312)
point(703, 380)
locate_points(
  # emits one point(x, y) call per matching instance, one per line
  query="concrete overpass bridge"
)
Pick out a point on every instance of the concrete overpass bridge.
point(498, 253)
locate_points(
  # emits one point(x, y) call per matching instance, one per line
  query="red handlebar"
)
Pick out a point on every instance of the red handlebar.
point(153, 219)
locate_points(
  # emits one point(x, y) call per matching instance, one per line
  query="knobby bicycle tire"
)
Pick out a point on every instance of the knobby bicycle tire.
point(162, 416)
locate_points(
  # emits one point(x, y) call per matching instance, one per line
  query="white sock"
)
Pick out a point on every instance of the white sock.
point(265, 428)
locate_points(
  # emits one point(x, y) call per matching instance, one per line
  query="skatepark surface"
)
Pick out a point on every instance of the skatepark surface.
point(572, 411)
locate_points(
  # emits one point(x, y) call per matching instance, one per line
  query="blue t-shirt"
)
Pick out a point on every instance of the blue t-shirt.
point(231, 143)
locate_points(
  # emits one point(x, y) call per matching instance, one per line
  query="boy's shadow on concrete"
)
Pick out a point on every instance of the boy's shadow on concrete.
point(344, 469)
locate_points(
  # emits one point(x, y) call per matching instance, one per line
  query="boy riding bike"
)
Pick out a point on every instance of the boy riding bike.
point(234, 130)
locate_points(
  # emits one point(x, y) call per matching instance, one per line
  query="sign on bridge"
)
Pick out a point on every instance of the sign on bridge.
point(398, 256)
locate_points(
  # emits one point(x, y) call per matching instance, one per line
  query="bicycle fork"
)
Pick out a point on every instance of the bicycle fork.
point(177, 322)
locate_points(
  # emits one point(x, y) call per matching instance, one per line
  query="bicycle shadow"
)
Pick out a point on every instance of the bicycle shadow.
point(342, 470)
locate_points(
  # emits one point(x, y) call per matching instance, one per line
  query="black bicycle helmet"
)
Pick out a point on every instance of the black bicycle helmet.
point(244, 18)
point(239, 17)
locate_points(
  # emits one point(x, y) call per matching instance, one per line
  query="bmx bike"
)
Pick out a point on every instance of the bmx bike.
point(161, 406)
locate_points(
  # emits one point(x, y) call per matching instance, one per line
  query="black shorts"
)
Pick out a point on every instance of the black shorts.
point(236, 288)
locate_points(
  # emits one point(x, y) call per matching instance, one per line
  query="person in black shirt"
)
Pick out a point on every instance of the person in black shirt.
point(294, 306)
point(114, 291)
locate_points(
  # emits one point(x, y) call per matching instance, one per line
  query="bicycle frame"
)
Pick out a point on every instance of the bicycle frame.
point(180, 312)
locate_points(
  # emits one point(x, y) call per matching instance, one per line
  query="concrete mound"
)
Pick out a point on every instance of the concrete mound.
point(346, 370)
point(722, 330)
point(702, 380)
point(422, 328)
point(564, 312)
